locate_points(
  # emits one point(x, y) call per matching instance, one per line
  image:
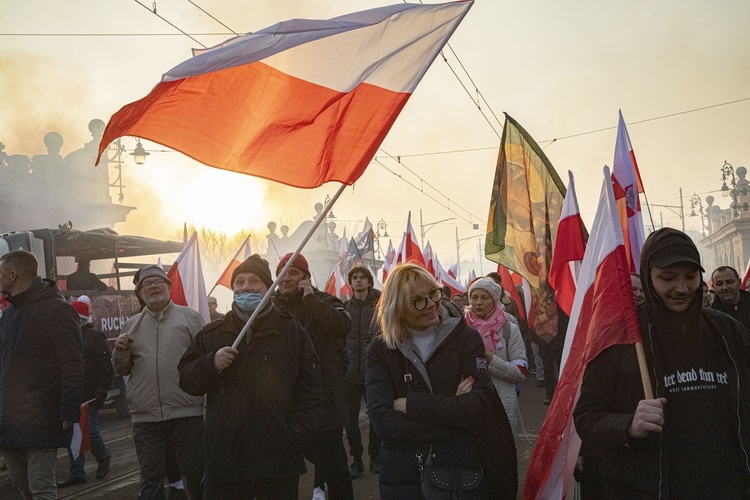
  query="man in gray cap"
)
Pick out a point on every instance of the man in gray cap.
point(213, 304)
point(149, 349)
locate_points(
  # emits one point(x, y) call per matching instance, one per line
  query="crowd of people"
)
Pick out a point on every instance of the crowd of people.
point(439, 375)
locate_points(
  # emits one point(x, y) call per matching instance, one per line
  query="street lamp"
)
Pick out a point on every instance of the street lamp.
point(727, 172)
point(460, 242)
point(696, 200)
point(117, 149)
point(429, 225)
point(381, 226)
point(139, 154)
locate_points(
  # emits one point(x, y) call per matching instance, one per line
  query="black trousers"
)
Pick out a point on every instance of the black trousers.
point(152, 439)
point(260, 489)
point(353, 393)
point(325, 450)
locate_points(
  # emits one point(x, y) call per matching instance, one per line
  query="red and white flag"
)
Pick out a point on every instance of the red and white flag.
point(429, 259)
point(409, 250)
point(570, 244)
point(445, 278)
point(627, 185)
point(302, 102)
point(337, 284)
point(239, 257)
point(453, 270)
point(186, 275)
point(506, 281)
point(80, 441)
point(389, 261)
point(745, 277)
point(603, 315)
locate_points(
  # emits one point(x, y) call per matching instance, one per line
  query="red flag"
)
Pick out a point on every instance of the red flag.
point(302, 102)
point(453, 270)
point(186, 275)
point(570, 244)
point(429, 259)
point(506, 281)
point(409, 250)
point(239, 257)
point(604, 314)
point(627, 185)
point(80, 441)
point(746, 276)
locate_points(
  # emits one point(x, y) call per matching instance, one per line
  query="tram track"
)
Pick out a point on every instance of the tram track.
point(99, 486)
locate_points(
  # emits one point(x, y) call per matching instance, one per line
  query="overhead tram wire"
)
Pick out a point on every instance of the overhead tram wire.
point(168, 22)
point(109, 34)
point(212, 17)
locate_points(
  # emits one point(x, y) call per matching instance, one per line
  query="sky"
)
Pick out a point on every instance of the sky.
point(679, 70)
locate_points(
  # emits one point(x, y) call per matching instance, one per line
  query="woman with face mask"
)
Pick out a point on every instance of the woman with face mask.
point(262, 398)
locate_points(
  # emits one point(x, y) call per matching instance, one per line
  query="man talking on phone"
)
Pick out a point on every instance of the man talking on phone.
point(327, 323)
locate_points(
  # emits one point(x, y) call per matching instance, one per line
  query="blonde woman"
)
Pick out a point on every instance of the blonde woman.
point(430, 397)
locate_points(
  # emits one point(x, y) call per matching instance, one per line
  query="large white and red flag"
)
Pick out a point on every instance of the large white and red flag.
point(453, 270)
point(603, 315)
point(186, 275)
point(337, 284)
point(429, 259)
point(627, 185)
point(243, 252)
point(302, 102)
point(570, 244)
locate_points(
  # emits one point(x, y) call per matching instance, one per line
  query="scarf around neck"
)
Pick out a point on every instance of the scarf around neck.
point(489, 327)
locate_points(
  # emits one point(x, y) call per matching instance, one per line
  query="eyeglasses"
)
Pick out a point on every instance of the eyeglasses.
point(420, 303)
point(151, 284)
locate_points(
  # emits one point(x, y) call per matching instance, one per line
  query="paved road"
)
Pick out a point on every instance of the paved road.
point(122, 481)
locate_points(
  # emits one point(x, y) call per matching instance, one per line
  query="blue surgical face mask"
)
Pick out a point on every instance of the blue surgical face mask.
point(248, 301)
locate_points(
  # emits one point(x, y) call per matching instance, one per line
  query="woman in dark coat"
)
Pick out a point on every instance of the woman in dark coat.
point(429, 395)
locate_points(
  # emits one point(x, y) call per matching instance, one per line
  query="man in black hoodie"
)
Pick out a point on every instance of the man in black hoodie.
point(692, 441)
point(41, 374)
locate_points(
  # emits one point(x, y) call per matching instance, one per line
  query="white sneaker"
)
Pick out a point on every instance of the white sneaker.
point(319, 494)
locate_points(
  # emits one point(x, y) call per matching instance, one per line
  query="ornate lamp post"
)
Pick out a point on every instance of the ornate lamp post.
point(696, 201)
point(727, 172)
point(116, 149)
point(381, 226)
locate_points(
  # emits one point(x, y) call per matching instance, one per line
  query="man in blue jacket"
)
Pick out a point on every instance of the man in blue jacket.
point(41, 375)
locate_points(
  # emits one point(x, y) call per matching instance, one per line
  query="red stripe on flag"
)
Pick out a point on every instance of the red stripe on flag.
point(177, 293)
point(569, 247)
point(339, 131)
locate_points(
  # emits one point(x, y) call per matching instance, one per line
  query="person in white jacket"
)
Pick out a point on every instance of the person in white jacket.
point(503, 344)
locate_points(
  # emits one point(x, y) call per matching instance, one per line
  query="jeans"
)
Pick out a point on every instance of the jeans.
point(98, 449)
point(33, 472)
point(151, 442)
point(353, 393)
point(327, 453)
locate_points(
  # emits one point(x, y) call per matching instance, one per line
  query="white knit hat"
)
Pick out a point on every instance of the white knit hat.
point(489, 286)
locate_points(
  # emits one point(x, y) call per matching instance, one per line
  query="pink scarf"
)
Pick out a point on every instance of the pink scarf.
point(489, 327)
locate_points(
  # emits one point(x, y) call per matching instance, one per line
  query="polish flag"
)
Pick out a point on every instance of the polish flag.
point(570, 244)
point(80, 441)
point(376, 282)
point(429, 259)
point(627, 185)
point(389, 261)
point(506, 281)
point(409, 250)
point(186, 275)
point(746, 276)
point(453, 270)
point(337, 285)
point(239, 257)
point(445, 278)
point(302, 102)
point(603, 315)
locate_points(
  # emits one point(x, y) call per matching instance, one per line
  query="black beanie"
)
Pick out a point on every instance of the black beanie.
point(256, 265)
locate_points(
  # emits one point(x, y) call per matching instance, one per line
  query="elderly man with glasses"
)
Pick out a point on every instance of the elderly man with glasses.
point(148, 350)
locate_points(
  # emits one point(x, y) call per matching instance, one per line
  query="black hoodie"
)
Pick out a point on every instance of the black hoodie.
point(611, 389)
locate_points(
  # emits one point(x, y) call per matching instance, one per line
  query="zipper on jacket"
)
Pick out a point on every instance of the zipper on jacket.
point(158, 384)
point(656, 383)
point(739, 418)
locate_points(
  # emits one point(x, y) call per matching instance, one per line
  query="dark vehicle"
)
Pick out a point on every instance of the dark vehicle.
point(111, 308)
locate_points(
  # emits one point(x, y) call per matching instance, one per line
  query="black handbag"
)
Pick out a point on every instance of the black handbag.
point(448, 482)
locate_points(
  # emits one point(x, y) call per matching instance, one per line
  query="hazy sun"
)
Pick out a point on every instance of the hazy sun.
point(208, 197)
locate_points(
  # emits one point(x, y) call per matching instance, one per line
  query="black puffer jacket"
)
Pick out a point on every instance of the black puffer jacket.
point(98, 371)
point(41, 375)
point(261, 408)
point(627, 468)
point(323, 317)
point(457, 427)
point(739, 311)
point(361, 312)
